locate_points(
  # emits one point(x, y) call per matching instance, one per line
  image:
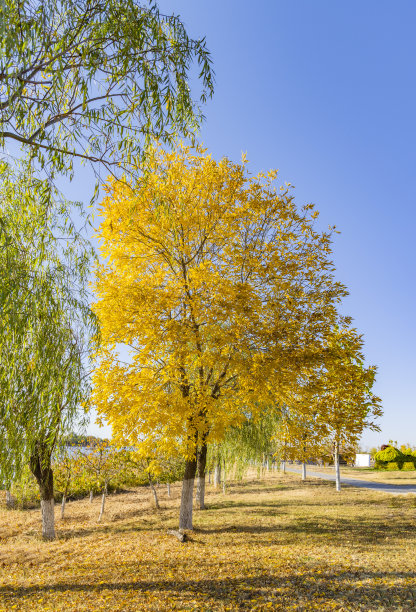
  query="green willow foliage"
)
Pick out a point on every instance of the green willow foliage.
point(47, 329)
point(247, 444)
point(96, 79)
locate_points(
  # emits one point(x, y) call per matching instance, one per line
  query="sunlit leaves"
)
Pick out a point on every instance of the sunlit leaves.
point(221, 292)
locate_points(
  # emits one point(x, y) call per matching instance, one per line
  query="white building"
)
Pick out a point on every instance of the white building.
point(362, 460)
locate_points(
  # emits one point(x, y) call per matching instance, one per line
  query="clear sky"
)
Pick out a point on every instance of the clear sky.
point(326, 92)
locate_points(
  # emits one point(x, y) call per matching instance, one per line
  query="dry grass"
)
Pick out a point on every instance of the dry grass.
point(271, 544)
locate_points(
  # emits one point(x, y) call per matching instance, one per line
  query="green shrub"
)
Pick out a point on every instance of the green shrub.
point(389, 454)
point(408, 465)
point(393, 465)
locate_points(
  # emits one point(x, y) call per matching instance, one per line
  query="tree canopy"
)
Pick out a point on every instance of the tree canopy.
point(219, 288)
point(94, 79)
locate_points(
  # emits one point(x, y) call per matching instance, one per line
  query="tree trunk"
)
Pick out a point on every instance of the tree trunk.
point(40, 466)
point(200, 483)
point(103, 503)
point(284, 467)
point(152, 486)
point(9, 500)
point(336, 465)
point(303, 470)
point(168, 486)
point(63, 506)
point(209, 477)
point(91, 496)
point(185, 514)
point(217, 475)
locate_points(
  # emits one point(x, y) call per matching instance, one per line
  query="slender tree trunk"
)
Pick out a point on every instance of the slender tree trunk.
point(103, 503)
point(152, 486)
point(185, 514)
point(284, 467)
point(40, 465)
point(91, 496)
point(223, 480)
point(303, 470)
point(9, 499)
point(200, 482)
point(63, 505)
point(217, 475)
point(336, 465)
point(168, 486)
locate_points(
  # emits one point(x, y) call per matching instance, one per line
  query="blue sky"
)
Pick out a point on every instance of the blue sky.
point(326, 92)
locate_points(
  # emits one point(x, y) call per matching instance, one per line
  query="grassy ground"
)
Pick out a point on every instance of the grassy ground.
point(274, 544)
point(389, 477)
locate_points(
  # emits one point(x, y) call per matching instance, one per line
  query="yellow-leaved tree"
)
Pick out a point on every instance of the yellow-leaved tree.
point(346, 404)
point(215, 294)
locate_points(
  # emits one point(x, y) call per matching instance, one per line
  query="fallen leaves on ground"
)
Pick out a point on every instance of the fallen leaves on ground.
point(270, 544)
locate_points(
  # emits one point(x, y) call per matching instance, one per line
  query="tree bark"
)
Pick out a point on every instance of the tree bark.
point(9, 500)
point(200, 483)
point(40, 466)
point(103, 503)
point(336, 465)
point(48, 518)
point(217, 475)
point(168, 486)
point(91, 496)
point(303, 470)
point(185, 514)
point(152, 486)
point(181, 536)
point(283, 464)
point(63, 506)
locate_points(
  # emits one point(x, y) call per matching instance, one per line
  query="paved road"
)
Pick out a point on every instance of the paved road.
point(400, 489)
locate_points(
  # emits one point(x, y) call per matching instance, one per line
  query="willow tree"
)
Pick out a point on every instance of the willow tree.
point(220, 291)
point(46, 329)
point(93, 79)
point(249, 443)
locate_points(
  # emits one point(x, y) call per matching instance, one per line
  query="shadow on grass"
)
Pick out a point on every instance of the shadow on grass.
point(355, 532)
point(362, 590)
